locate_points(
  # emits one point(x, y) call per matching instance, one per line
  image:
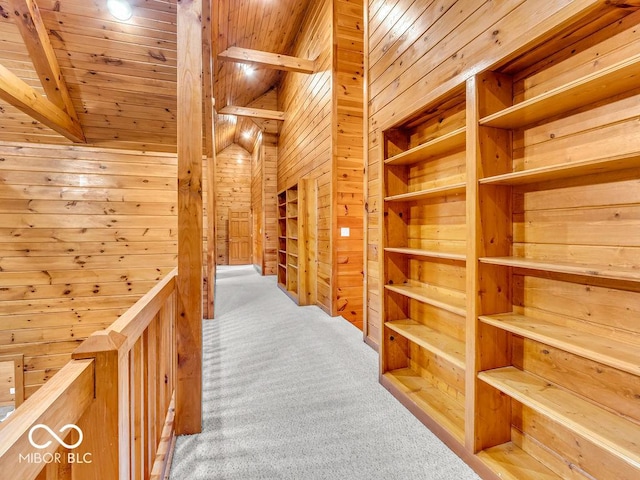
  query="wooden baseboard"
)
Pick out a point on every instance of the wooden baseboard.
point(371, 343)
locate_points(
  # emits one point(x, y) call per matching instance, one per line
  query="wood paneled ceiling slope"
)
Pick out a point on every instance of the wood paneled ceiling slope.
point(117, 84)
point(121, 76)
point(244, 76)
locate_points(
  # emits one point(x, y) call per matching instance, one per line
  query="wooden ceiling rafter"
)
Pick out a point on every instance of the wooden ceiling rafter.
point(21, 95)
point(253, 113)
point(268, 60)
point(56, 109)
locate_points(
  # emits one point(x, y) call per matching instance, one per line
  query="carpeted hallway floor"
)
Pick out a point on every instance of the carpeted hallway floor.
point(291, 393)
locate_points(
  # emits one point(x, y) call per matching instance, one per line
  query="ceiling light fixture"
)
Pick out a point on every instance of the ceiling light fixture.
point(248, 70)
point(120, 9)
point(246, 135)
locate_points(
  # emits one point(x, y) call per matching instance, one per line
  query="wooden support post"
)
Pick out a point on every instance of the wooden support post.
point(210, 152)
point(189, 283)
point(105, 424)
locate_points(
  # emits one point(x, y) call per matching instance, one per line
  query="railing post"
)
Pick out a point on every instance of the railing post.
point(106, 423)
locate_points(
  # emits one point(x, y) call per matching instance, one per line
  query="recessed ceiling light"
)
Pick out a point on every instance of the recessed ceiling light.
point(246, 135)
point(248, 70)
point(120, 9)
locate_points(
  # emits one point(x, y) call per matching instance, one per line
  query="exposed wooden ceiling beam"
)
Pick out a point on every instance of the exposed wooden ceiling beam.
point(268, 60)
point(22, 96)
point(252, 112)
point(36, 39)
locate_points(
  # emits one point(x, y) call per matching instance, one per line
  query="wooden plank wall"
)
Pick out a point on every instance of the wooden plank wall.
point(418, 51)
point(95, 53)
point(84, 233)
point(304, 147)
point(348, 166)
point(263, 203)
point(269, 196)
point(257, 206)
point(233, 182)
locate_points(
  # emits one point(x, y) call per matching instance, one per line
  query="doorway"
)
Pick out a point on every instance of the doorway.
point(239, 236)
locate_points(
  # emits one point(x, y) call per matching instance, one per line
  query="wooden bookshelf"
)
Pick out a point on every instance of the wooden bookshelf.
point(282, 240)
point(615, 352)
point(612, 433)
point(288, 271)
point(510, 462)
point(446, 299)
point(558, 273)
point(424, 300)
point(454, 189)
point(592, 270)
point(511, 272)
point(426, 253)
point(433, 402)
point(442, 144)
point(585, 90)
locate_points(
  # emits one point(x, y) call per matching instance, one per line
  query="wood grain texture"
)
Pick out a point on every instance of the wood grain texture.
point(190, 187)
point(19, 94)
point(252, 25)
point(209, 254)
point(75, 253)
point(462, 39)
point(267, 59)
point(304, 145)
point(106, 66)
point(347, 162)
point(36, 38)
point(233, 190)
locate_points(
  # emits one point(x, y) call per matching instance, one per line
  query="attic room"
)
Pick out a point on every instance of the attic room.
point(319, 239)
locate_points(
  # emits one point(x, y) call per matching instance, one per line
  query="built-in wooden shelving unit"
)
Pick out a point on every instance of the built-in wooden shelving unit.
point(288, 253)
point(511, 262)
point(424, 304)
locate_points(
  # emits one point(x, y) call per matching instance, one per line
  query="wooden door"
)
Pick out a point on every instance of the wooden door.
point(239, 237)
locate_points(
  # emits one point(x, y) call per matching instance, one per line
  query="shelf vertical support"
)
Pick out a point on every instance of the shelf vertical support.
point(488, 413)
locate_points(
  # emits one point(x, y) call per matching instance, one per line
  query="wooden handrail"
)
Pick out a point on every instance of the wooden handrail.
point(116, 390)
point(134, 321)
point(63, 400)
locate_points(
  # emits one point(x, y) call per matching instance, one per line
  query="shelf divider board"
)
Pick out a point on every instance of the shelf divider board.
point(567, 170)
point(612, 352)
point(454, 303)
point(618, 436)
point(426, 253)
point(428, 398)
point(605, 83)
point(510, 462)
point(454, 189)
point(595, 271)
point(489, 230)
point(444, 346)
point(433, 148)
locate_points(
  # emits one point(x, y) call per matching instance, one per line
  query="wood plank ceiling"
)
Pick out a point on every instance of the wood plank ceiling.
point(265, 25)
point(121, 76)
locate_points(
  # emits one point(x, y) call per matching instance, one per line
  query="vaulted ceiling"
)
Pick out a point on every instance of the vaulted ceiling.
point(121, 76)
point(265, 25)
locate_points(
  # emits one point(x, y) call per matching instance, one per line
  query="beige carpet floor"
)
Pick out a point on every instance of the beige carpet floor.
point(291, 393)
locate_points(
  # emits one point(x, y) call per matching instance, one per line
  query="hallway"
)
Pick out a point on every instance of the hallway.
point(291, 393)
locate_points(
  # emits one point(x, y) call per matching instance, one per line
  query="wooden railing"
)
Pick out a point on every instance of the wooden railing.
point(108, 413)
